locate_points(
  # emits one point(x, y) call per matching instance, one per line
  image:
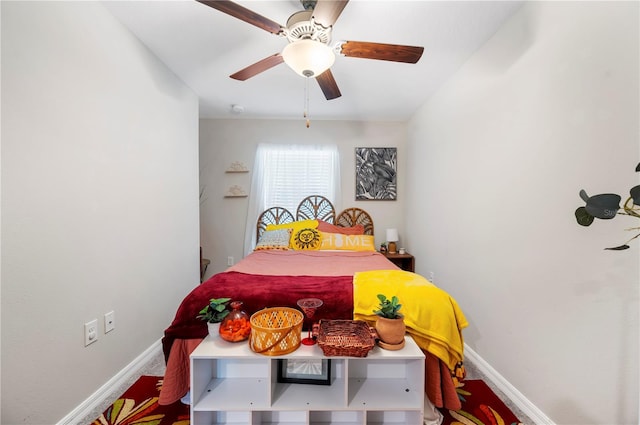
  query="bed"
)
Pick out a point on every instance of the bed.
point(334, 261)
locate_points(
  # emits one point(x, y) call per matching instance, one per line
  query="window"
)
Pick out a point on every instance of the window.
point(283, 175)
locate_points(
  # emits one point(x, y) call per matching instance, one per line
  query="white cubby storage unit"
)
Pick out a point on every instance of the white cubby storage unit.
point(230, 384)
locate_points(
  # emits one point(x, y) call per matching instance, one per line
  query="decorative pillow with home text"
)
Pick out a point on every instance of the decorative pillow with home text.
point(338, 241)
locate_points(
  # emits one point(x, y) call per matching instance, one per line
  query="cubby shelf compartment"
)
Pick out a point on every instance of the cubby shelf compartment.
point(230, 384)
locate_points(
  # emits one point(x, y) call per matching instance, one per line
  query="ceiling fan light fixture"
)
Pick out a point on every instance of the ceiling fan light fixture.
point(308, 58)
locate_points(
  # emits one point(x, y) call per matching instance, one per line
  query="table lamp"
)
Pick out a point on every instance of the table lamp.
point(392, 238)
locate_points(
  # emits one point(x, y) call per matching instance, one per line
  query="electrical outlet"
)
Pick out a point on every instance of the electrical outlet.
point(109, 322)
point(432, 277)
point(230, 261)
point(90, 332)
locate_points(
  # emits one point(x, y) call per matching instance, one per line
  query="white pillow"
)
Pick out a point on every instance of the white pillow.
point(274, 239)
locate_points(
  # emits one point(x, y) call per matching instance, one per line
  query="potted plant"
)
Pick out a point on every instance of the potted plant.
point(213, 313)
point(606, 206)
point(390, 323)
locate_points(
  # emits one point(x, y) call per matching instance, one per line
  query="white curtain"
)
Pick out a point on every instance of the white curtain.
point(283, 175)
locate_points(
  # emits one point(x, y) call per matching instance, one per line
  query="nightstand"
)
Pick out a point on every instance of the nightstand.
point(405, 261)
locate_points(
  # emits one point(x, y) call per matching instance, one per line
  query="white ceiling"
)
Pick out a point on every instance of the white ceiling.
point(203, 46)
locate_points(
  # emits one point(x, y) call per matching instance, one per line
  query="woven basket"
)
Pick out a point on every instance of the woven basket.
point(276, 331)
point(351, 338)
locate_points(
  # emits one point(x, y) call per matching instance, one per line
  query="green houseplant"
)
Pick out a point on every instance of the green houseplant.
point(214, 313)
point(606, 206)
point(390, 323)
point(388, 308)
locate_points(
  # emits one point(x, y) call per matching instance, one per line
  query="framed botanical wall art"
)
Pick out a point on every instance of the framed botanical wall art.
point(376, 171)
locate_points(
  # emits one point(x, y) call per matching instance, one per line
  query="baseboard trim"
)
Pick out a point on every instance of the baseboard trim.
point(111, 385)
point(527, 407)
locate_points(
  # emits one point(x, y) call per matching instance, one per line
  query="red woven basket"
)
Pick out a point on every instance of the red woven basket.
point(349, 338)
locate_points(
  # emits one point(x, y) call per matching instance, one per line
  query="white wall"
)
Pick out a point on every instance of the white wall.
point(222, 220)
point(99, 202)
point(496, 159)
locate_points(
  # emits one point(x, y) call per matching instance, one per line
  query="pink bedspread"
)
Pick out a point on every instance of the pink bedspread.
point(312, 263)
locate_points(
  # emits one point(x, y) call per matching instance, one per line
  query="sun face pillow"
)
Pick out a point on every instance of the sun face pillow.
point(306, 239)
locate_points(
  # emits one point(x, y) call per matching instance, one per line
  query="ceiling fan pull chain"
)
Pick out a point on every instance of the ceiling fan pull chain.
point(306, 100)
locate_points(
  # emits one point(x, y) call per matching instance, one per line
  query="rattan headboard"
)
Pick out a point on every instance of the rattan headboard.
point(352, 216)
point(315, 207)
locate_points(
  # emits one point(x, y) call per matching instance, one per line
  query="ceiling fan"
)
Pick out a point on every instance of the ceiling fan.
point(309, 34)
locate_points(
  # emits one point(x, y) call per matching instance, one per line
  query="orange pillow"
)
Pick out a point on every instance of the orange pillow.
point(325, 227)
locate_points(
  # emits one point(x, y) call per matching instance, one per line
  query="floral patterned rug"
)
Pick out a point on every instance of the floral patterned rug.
point(480, 406)
point(139, 406)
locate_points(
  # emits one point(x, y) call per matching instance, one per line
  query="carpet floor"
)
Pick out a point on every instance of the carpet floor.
point(480, 406)
point(138, 405)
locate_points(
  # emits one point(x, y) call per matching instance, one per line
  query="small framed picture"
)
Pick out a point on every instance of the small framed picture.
point(308, 371)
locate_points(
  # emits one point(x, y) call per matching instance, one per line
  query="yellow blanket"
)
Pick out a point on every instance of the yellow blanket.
point(432, 316)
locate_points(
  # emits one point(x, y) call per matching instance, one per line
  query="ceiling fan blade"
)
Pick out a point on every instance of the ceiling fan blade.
point(258, 67)
point(380, 51)
point(326, 12)
point(244, 14)
point(328, 85)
